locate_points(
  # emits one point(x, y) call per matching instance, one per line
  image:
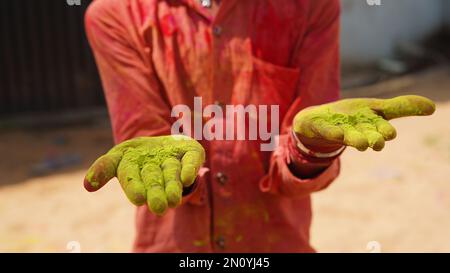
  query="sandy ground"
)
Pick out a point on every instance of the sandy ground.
point(394, 201)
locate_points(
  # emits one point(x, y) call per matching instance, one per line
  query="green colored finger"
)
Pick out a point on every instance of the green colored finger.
point(354, 138)
point(152, 177)
point(129, 176)
point(386, 129)
point(404, 106)
point(191, 163)
point(375, 139)
point(171, 168)
point(327, 130)
point(101, 171)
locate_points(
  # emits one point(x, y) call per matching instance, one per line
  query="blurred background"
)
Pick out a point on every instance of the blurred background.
point(53, 124)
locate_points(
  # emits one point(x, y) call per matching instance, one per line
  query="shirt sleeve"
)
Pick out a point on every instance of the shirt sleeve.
point(318, 59)
point(137, 103)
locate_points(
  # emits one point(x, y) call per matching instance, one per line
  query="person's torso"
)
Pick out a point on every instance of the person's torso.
point(246, 55)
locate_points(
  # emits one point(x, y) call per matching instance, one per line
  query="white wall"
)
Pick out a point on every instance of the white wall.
point(370, 32)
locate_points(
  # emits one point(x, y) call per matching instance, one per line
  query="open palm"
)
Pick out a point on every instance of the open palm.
point(360, 123)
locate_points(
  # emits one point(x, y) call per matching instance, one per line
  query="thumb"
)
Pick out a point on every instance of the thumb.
point(404, 106)
point(101, 171)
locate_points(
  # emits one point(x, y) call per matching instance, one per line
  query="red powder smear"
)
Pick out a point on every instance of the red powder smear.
point(208, 38)
point(168, 25)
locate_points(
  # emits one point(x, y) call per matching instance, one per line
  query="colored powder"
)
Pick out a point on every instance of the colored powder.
point(363, 115)
point(199, 243)
point(149, 169)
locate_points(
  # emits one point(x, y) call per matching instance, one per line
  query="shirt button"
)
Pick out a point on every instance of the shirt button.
point(220, 242)
point(205, 3)
point(221, 178)
point(217, 30)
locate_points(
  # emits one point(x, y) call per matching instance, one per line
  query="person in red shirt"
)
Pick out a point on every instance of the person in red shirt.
point(153, 55)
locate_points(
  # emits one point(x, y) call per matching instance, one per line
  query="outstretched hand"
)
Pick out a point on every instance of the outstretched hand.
point(151, 170)
point(360, 123)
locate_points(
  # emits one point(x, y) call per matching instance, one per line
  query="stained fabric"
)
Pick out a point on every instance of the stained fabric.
point(153, 55)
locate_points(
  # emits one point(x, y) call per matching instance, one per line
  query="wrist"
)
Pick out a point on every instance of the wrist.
point(316, 148)
point(303, 165)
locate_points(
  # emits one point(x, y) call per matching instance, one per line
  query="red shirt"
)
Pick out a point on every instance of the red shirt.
point(153, 55)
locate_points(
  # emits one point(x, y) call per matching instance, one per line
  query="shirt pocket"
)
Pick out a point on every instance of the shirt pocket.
point(266, 83)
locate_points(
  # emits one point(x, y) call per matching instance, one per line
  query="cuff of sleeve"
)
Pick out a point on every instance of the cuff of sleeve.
point(297, 155)
point(281, 180)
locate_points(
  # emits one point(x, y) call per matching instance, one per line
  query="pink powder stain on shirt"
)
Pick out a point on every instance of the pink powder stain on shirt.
point(168, 25)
